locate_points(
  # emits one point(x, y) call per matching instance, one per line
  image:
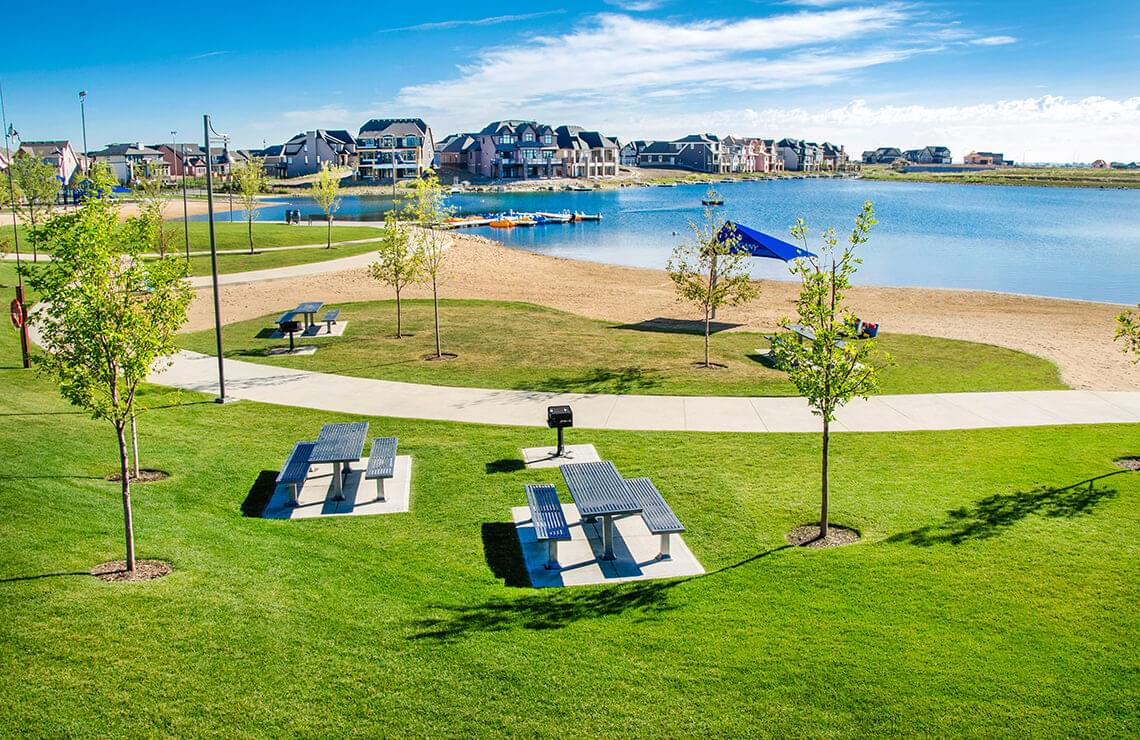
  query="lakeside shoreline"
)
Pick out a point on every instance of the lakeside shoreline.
point(1077, 336)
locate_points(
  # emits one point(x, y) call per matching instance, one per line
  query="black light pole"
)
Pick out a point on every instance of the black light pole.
point(9, 132)
point(83, 118)
point(206, 130)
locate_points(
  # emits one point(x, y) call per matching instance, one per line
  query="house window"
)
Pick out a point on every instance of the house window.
point(528, 136)
point(547, 139)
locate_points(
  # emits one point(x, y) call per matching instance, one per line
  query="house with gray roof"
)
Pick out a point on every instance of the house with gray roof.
point(882, 155)
point(517, 149)
point(123, 158)
point(388, 148)
point(308, 151)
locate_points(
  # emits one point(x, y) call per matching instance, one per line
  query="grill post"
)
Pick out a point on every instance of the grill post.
point(559, 417)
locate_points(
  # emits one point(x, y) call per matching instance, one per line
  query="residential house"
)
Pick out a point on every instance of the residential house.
point(58, 154)
point(590, 153)
point(658, 154)
point(883, 155)
point(739, 153)
point(273, 160)
point(928, 155)
point(123, 158)
point(990, 158)
point(769, 155)
point(630, 151)
point(455, 149)
point(308, 151)
point(800, 155)
point(388, 148)
point(1100, 164)
point(702, 153)
point(834, 157)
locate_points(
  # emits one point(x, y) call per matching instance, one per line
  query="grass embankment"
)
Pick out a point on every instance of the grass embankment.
point(1058, 177)
point(524, 346)
point(994, 589)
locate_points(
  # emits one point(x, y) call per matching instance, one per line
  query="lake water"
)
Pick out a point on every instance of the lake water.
point(1061, 242)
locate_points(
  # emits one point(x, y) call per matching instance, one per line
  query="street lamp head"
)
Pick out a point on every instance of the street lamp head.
point(82, 95)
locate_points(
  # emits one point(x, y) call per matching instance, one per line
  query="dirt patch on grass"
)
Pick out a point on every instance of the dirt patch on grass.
point(145, 570)
point(710, 366)
point(807, 535)
point(145, 476)
point(1129, 463)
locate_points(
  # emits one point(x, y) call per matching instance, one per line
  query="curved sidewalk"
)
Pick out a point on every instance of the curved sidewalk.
point(367, 397)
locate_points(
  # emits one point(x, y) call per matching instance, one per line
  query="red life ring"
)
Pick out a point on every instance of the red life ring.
point(17, 312)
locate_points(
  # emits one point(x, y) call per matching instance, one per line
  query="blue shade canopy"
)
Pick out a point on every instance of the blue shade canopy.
point(759, 244)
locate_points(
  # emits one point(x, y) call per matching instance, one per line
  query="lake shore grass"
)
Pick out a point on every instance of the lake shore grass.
point(993, 588)
point(1055, 177)
point(523, 346)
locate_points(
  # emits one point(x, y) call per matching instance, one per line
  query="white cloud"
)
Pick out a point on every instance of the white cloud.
point(1045, 128)
point(994, 40)
point(620, 55)
point(460, 22)
point(209, 54)
point(636, 6)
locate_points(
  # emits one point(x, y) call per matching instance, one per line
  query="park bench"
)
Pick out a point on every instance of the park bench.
point(330, 318)
point(658, 517)
point(549, 521)
point(296, 469)
point(318, 217)
point(381, 463)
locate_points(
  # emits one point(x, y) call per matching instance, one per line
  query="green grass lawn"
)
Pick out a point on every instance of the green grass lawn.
point(1064, 177)
point(994, 592)
point(524, 346)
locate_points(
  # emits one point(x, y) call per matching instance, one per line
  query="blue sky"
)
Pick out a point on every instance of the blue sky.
point(1042, 80)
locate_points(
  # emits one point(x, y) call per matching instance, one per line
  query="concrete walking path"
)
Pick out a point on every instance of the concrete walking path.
point(368, 397)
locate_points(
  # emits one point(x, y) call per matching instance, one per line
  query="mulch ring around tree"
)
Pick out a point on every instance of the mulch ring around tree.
point(807, 535)
point(145, 570)
point(437, 358)
point(1129, 463)
point(146, 475)
point(710, 366)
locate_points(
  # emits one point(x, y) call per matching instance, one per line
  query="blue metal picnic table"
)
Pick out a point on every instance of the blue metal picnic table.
point(309, 308)
point(599, 491)
point(339, 444)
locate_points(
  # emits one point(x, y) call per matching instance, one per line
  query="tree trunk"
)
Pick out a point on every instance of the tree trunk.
point(125, 480)
point(823, 501)
point(399, 335)
point(328, 233)
point(135, 446)
point(706, 337)
point(435, 303)
point(32, 231)
point(250, 222)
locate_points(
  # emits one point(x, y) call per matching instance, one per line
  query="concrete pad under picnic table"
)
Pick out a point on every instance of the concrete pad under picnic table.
point(543, 457)
point(635, 551)
point(315, 498)
point(318, 329)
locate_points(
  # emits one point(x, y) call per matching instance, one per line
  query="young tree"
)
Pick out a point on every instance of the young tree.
point(1128, 329)
point(398, 265)
point(709, 272)
point(249, 177)
point(425, 206)
point(111, 316)
point(36, 189)
point(153, 198)
point(326, 189)
point(832, 367)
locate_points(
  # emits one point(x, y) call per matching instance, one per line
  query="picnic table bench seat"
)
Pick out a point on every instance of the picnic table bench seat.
point(330, 318)
point(285, 318)
point(658, 517)
point(549, 520)
point(296, 468)
point(381, 463)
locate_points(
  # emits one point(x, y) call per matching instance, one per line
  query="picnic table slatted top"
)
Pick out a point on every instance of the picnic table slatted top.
point(382, 458)
point(657, 515)
point(309, 307)
point(340, 442)
point(598, 489)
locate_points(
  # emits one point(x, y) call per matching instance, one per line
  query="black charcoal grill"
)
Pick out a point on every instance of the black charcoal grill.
point(559, 417)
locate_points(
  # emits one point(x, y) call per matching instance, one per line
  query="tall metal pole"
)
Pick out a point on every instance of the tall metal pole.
point(185, 209)
point(83, 118)
point(25, 347)
point(214, 261)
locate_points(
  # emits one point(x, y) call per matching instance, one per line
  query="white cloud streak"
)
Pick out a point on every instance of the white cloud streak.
point(461, 22)
point(636, 6)
point(994, 41)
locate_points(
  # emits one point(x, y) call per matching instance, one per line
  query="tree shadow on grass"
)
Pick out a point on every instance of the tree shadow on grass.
point(41, 576)
point(677, 326)
point(553, 608)
point(506, 465)
point(259, 494)
point(989, 516)
point(598, 380)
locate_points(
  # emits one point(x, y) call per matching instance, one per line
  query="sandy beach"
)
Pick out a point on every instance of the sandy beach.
point(1075, 335)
